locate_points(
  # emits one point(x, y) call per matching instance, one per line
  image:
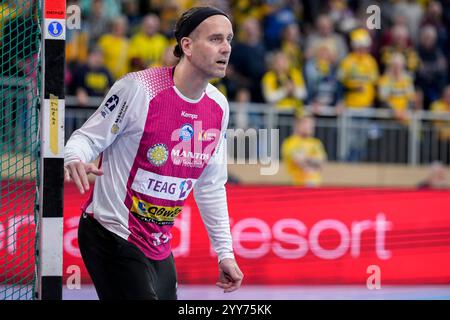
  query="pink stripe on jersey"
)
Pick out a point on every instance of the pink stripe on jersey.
point(179, 139)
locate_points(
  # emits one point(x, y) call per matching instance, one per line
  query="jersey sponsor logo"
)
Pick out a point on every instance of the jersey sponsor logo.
point(189, 115)
point(185, 188)
point(158, 154)
point(159, 215)
point(110, 105)
point(162, 187)
point(189, 158)
point(190, 154)
point(55, 28)
point(160, 238)
point(206, 136)
point(115, 128)
point(186, 132)
point(194, 153)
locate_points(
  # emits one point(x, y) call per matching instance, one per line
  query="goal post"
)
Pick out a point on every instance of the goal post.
point(50, 229)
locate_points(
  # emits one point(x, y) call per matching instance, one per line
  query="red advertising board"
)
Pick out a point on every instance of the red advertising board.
point(289, 235)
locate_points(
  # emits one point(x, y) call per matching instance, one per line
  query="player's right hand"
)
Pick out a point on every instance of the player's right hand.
point(77, 172)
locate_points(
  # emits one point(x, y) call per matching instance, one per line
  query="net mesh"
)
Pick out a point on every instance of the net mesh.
point(19, 145)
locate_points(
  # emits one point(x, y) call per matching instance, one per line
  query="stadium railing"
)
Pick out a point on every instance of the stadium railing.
point(352, 136)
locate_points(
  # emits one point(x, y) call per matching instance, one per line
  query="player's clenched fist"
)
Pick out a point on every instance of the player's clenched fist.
point(230, 276)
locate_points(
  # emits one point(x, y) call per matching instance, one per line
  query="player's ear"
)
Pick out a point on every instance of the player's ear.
point(186, 46)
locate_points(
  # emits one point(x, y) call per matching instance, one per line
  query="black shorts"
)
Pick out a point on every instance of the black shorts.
point(120, 270)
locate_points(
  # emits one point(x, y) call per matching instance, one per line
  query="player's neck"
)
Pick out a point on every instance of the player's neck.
point(188, 81)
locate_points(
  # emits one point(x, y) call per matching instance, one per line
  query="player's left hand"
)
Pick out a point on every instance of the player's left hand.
point(230, 276)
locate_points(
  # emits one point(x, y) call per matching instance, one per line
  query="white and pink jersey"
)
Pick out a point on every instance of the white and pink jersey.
point(156, 146)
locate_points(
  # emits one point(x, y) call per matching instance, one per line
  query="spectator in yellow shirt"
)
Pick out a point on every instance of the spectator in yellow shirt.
point(358, 72)
point(147, 46)
point(396, 92)
point(304, 155)
point(396, 88)
point(284, 86)
point(114, 46)
point(92, 79)
point(442, 107)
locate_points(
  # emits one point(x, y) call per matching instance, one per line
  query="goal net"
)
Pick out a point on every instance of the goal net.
point(19, 146)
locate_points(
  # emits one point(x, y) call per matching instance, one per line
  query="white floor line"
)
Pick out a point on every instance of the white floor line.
point(202, 292)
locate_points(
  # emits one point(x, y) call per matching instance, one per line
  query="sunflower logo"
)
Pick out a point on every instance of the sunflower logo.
point(158, 154)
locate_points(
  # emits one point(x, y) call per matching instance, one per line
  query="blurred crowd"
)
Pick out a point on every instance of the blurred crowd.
point(286, 52)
